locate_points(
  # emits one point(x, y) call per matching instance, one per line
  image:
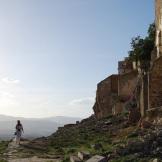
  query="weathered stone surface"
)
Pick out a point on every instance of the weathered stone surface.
point(144, 124)
point(74, 159)
point(106, 90)
point(155, 77)
point(125, 66)
point(155, 82)
point(158, 22)
point(155, 160)
point(134, 116)
point(113, 92)
point(127, 84)
point(116, 90)
point(83, 155)
point(117, 108)
point(97, 158)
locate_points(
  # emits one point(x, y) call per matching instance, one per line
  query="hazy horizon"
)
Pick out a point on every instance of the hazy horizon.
point(44, 126)
point(53, 53)
point(39, 117)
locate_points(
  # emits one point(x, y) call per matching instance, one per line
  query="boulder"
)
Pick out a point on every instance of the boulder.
point(131, 148)
point(74, 159)
point(155, 160)
point(83, 155)
point(109, 122)
point(97, 158)
point(158, 150)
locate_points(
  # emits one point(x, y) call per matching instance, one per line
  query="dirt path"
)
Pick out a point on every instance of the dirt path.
point(13, 154)
point(33, 159)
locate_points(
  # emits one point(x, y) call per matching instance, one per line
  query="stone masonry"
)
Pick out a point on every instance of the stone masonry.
point(106, 91)
point(116, 90)
point(155, 73)
point(155, 84)
point(158, 22)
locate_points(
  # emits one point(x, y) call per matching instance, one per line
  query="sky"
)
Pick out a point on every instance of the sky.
point(54, 52)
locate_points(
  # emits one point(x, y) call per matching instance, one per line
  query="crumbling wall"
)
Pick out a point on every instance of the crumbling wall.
point(127, 84)
point(155, 84)
point(118, 108)
point(158, 23)
point(113, 93)
point(106, 91)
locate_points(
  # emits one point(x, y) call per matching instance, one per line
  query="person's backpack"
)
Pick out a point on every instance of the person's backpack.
point(19, 127)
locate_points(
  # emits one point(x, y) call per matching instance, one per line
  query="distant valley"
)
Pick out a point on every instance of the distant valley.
point(33, 127)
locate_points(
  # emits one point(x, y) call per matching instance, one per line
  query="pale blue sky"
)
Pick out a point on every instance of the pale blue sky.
point(54, 52)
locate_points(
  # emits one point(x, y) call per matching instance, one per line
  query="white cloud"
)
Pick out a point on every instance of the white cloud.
point(17, 100)
point(6, 94)
point(10, 81)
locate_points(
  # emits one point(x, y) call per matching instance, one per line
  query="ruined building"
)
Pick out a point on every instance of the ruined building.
point(155, 73)
point(114, 92)
point(106, 92)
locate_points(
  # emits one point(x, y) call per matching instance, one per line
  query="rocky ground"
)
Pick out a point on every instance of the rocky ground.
point(112, 138)
point(20, 153)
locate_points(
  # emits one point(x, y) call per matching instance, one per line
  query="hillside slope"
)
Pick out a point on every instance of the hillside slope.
point(112, 137)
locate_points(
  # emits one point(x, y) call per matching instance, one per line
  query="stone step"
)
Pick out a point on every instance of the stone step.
point(97, 158)
point(74, 159)
point(83, 155)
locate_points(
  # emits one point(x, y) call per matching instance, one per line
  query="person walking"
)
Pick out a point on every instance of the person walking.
point(18, 133)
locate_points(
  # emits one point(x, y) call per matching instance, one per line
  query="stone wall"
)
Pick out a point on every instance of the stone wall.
point(125, 66)
point(116, 90)
point(158, 22)
point(113, 93)
point(155, 84)
point(158, 6)
point(106, 91)
point(155, 73)
point(127, 84)
point(142, 94)
point(118, 108)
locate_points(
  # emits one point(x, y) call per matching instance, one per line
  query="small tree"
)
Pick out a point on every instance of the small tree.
point(141, 48)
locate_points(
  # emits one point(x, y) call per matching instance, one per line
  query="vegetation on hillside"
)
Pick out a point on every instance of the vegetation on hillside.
point(3, 147)
point(141, 48)
point(103, 137)
point(112, 137)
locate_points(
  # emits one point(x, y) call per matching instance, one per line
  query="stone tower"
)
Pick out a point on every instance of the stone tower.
point(155, 72)
point(158, 22)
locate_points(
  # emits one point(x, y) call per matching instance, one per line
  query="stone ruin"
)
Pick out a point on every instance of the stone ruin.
point(116, 93)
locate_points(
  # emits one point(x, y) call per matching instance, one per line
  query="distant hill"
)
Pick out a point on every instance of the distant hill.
point(63, 119)
point(34, 127)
